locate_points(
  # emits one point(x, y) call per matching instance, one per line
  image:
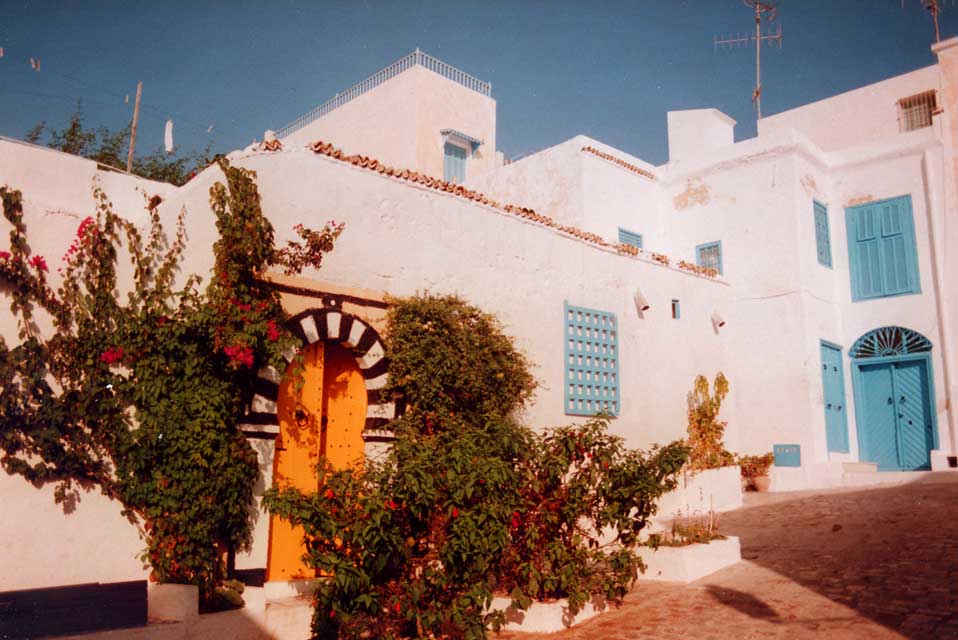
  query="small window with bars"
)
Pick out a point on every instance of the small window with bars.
point(709, 255)
point(915, 112)
point(591, 362)
point(630, 237)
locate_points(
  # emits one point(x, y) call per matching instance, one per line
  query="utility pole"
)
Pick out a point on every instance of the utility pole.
point(760, 7)
point(136, 117)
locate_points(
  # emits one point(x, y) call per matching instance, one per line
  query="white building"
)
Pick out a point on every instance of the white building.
point(832, 312)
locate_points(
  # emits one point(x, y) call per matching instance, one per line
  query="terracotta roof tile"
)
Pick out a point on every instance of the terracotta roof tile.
point(327, 149)
point(622, 163)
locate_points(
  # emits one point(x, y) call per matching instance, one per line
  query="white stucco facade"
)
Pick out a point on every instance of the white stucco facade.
point(755, 197)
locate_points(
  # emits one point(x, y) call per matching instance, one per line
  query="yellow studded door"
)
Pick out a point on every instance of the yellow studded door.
point(325, 417)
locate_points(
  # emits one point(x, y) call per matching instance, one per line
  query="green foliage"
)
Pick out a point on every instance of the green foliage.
point(583, 499)
point(141, 394)
point(705, 429)
point(110, 148)
point(467, 501)
point(448, 358)
point(755, 466)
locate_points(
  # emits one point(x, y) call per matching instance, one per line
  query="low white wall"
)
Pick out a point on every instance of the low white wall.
point(699, 492)
point(691, 562)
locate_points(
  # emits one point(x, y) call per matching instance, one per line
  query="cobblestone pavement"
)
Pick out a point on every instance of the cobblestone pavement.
point(838, 563)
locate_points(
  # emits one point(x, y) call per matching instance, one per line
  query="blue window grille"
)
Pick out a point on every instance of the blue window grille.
point(676, 310)
point(823, 241)
point(591, 362)
point(709, 255)
point(882, 259)
point(454, 163)
point(630, 238)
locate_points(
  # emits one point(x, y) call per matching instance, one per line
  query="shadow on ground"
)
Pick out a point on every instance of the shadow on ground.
point(890, 553)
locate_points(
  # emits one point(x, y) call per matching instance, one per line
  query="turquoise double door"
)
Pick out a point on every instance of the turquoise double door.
point(894, 416)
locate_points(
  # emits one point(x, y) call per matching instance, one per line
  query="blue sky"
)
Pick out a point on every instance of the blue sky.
point(610, 70)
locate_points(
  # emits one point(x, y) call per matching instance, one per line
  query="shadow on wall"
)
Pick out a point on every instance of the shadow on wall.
point(887, 553)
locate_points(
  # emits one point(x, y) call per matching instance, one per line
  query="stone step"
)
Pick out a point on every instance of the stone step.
point(859, 467)
point(866, 478)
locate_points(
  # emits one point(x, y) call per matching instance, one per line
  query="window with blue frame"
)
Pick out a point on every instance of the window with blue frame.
point(823, 240)
point(454, 163)
point(591, 362)
point(709, 255)
point(882, 259)
point(630, 238)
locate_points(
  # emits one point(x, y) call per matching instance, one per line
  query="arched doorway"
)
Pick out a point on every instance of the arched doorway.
point(324, 416)
point(894, 398)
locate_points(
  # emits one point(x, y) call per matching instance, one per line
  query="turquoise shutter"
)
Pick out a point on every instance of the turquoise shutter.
point(882, 257)
point(823, 240)
point(454, 163)
point(893, 254)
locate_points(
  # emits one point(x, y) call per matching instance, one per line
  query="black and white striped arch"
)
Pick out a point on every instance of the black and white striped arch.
point(331, 325)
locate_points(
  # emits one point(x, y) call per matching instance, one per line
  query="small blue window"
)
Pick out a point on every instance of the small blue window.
point(709, 255)
point(882, 260)
point(630, 237)
point(676, 310)
point(591, 362)
point(823, 241)
point(454, 163)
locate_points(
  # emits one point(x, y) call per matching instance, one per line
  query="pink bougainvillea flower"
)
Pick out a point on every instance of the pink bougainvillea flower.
point(272, 331)
point(239, 355)
point(112, 355)
point(4, 255)
point(84, 226)
point(38, 263)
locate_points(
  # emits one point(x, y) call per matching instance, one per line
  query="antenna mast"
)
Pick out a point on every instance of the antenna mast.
point(760, 7)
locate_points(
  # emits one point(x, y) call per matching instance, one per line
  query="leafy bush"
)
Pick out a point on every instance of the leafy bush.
point(467, 501)
point(583, 499)
point(705, 429)
point(755, 466)
point(140, 394)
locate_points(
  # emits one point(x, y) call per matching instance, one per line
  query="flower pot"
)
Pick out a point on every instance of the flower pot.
point(762, 483)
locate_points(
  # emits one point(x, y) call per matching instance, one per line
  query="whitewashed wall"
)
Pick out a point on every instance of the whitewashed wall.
point(399, 123)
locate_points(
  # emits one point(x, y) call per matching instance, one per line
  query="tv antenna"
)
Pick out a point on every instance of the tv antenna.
point(934, 8)
point(760, 7)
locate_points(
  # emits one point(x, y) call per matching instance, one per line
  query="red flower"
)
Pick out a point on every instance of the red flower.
point(332, 613)
point(455, 512)
point(112, 355)
point(239, 355)
point(329, 494)
point(84, 226)
point(38, 263)
point(516, 520)
point(272, 331)
point(4, 255)
point(397, 608)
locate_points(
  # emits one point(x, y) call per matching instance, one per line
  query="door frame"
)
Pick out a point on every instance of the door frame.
point(858, 391)
point(841, 377)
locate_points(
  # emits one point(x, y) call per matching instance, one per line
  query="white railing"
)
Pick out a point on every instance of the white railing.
point(417, 57)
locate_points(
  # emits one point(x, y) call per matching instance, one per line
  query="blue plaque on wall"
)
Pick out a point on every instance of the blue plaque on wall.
point(787, 455)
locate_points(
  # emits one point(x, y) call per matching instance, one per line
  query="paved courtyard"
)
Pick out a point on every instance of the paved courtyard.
point(876, 562)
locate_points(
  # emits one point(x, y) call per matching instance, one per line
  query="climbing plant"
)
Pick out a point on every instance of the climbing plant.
point(705, 429)
point(468, 501)
point(138, 390)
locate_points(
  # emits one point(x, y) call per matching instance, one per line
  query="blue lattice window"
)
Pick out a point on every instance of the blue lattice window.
point(591, 362)
point(709, 255)
point(630, 238)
